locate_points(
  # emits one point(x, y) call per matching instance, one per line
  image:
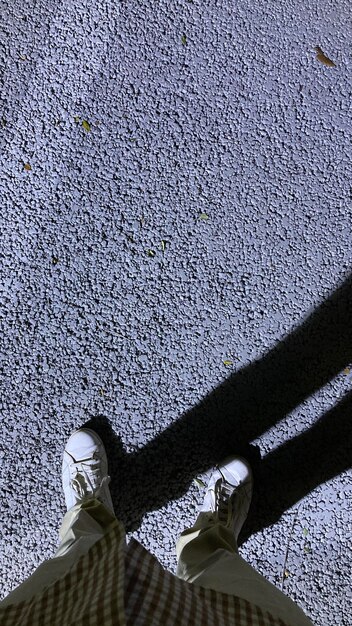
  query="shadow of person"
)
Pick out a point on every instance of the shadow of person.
point(300, 465)
point(238, 411)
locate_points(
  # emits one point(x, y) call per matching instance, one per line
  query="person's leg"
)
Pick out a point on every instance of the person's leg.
point(220, 519)
point(208, 554)
point(82, 526)
point(90, 512)
point(197, 546)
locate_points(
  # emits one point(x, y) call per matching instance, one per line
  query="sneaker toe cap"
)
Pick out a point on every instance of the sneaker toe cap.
point(82, 444)
point(236, 469)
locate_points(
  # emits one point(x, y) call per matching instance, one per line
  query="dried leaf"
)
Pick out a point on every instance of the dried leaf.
point(163, 245)
point(227, 362)
point(150, 252)
point(203, 216)
point(307, 549)
point(27, 167)
point(347, 370)
point(305, 531)
point(86, 125)
point(199, 483)
point(323, 58)
point(77, 119)
point(184, 39)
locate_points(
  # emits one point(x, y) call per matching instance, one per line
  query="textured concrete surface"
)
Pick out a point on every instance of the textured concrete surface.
point(176, 194)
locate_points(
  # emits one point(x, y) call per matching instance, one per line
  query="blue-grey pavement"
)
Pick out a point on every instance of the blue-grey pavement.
point(175, 228)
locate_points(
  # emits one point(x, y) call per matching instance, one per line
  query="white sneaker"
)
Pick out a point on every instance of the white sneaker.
point(229, 494)
point(85, 469)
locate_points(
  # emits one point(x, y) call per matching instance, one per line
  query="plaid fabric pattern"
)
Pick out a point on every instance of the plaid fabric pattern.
point(155, 596)
point(118, 585)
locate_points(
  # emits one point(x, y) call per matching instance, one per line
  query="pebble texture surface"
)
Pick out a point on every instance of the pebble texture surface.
point(175, 253)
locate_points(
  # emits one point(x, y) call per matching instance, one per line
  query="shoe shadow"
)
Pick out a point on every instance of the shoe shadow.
point(238, 411)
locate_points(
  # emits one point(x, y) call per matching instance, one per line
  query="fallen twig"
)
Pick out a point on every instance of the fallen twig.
point(287, 549)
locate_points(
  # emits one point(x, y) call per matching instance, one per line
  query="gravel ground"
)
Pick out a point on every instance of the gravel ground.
point(175, 270)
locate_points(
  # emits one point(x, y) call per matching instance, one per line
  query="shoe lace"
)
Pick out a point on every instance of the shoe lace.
point(86, 481)
point(224, 499)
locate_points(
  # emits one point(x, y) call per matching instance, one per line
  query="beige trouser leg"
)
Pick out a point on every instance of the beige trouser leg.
point(208, 556)
point(82, 526)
